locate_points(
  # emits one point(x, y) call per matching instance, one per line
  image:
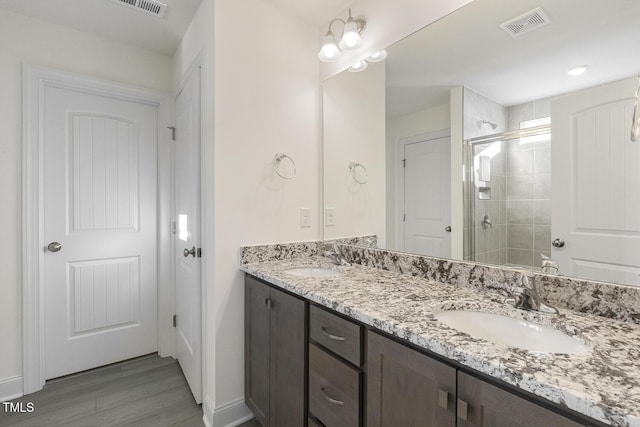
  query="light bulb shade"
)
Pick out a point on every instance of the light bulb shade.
point(351, 37)
point(329, 51)
point(378, 56)
point(358, 66)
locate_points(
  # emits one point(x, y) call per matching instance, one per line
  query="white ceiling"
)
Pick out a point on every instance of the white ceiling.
point(468, 48)
point(114, 21)
point(317, 12)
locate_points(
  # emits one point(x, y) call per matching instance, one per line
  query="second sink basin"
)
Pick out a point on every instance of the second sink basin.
point(511, 332)
point(313, 272)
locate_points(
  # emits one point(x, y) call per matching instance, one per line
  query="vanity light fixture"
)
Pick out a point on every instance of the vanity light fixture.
point(351, 30)
point(577, 70)
point(358, 66)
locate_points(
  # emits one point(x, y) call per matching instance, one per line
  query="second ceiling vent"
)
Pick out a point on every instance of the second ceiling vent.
point(152, 7)
point(527, 22)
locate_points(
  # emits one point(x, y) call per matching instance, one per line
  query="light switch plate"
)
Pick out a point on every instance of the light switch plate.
point(305, 217)
point(330, 217)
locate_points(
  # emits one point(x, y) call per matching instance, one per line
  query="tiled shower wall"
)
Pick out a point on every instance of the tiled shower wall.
point(520, 182)
point(490, 242)
point(528, 195)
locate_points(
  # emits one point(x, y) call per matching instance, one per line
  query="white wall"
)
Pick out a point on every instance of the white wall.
point(417, 123)
point(36, 42)
point(354, 131)
point(387, 22)
point(261, 97)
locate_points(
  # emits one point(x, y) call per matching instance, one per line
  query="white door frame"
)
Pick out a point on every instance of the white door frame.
point(35, 79)
point(400, 196)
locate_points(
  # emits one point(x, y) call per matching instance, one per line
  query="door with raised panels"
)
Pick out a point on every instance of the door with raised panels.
point(595, 184)
point(100, 264)
point(427, 198)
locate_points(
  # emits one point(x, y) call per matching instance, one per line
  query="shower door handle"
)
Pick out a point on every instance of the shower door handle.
point(447, 229)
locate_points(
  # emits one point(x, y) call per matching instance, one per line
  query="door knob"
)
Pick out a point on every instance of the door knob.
point(447, 229)
point(557, 243)
point(54, 247)
point(191, 252)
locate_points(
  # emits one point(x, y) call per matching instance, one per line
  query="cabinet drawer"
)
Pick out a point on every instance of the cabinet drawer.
point(335, 333)
point(334, 390)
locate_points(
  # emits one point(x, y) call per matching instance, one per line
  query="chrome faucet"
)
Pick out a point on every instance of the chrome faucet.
point(548, 265)
point(525, 298)
point(336, 256)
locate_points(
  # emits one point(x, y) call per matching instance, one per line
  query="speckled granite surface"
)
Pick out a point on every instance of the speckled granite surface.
point(604, 384)
point(586, 296)
point(280, 251)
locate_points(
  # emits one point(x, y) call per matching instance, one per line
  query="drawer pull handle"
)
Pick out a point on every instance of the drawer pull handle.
point(463, 409)
point(334, 401)
point(443, 399)
point(331, 336)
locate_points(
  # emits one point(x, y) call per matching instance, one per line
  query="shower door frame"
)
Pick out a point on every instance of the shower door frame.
point(469, 144)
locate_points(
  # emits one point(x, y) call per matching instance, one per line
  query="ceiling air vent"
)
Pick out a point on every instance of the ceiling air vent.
point(527, 22)
point(151, 7)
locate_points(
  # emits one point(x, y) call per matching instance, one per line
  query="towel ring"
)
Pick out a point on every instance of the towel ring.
point(277, 164)
point(635, 122)
point(361, 177)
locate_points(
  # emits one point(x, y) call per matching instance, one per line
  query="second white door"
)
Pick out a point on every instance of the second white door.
point(187, 238)
point(427, 198)
point(595, 182)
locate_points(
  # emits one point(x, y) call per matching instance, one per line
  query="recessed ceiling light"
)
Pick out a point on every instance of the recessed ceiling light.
point(358, 66)
point(378, 56)
point(576, 71)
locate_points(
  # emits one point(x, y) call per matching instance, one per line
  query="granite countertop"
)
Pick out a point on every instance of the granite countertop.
point(603, 384)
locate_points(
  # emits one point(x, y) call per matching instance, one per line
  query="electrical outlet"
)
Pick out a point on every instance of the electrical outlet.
point(305, 217)
point(330, 217)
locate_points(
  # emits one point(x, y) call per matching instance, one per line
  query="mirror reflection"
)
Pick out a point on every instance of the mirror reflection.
point(500, 134)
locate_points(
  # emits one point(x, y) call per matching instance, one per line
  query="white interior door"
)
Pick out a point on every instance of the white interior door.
point(187, 242)
point(428, 197)
point(99, 198)
point(595, 184)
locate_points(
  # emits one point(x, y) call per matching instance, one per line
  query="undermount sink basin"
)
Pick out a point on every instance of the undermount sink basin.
point(313, 272)
point(511, 332)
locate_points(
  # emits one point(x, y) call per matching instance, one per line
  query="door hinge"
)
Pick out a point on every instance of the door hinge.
point(175, 320)
point(173, 227)
point(199, 253)
point(173, 132)
point(404, 163)
point(404, 217)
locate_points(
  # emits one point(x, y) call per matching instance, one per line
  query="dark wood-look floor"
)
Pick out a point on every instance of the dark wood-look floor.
point(147, 391)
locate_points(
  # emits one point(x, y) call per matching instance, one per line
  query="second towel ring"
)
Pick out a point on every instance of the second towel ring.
point(282, 172)
point(361, 177)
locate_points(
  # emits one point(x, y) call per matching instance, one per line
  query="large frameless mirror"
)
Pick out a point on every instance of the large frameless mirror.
point(482, 141)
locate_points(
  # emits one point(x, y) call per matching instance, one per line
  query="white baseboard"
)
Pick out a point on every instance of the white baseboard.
point(230, 414)
point(10, 388)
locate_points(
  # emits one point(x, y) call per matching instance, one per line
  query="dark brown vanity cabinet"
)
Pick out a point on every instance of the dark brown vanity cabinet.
point(407, 388)
point(482, 404)
point(335, 375)
point(275, 344)
point(359, 377)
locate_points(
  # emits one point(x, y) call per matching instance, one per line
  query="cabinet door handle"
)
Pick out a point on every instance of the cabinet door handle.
point(331, 336)
point(267, 302)
point(443, 399)
point(331, 400)
point(463, 409)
